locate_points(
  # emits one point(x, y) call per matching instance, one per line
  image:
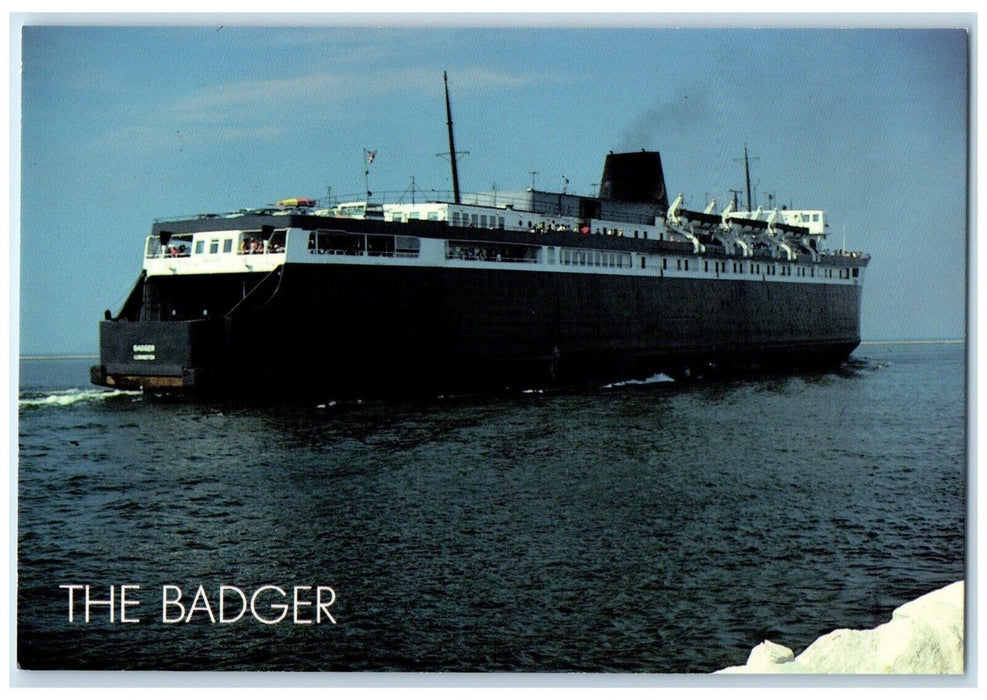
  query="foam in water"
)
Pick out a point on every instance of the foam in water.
point(70, 397)
point(654, 379)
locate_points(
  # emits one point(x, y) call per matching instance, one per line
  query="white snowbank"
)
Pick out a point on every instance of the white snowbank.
point(923, 636)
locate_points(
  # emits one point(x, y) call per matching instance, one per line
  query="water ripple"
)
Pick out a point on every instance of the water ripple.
point(662, 527)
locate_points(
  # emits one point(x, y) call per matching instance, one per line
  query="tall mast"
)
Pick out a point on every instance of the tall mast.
point(452, 143)
point(747, 173)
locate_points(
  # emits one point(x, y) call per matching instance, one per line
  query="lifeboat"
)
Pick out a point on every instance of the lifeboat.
point(297, 202)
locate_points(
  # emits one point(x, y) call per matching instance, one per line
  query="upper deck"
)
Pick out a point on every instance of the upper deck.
point(484, 235)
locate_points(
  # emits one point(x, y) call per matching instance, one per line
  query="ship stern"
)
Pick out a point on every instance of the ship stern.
point(158, 355)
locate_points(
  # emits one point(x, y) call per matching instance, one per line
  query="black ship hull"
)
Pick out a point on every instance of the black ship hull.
point(357, 330)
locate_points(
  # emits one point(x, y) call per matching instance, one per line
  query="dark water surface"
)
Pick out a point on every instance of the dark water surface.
point(643, 528)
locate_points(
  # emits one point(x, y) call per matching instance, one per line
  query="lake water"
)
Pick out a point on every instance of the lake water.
point(645, 528)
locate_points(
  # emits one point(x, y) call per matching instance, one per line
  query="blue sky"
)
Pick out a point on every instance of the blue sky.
point(124, 124)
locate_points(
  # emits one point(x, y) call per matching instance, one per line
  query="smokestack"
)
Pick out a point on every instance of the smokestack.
point(634, 177)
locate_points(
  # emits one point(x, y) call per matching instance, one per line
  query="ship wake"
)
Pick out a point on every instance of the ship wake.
point(654, 379)
point(71, 397)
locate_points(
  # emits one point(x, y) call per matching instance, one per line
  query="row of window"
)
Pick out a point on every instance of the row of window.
point(200, 246)
point(475, 220)
point(329, 242)
point(754, 268)
point(249, 243)
point(488, 251)
point(183, 245)
point(431, 215)
point(596, 258)
point(593, 258)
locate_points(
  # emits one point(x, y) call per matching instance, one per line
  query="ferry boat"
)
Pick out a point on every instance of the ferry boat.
point(491, 290)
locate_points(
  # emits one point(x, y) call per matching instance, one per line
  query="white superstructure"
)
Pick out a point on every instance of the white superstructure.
point(731, 250)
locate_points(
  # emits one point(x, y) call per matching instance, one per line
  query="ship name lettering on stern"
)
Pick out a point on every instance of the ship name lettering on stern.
point(144, 351)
